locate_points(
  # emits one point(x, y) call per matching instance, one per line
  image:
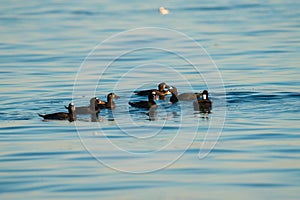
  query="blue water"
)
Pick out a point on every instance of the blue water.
point(247, 148)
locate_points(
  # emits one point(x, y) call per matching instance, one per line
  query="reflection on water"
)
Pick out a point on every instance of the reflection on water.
point(256, 48)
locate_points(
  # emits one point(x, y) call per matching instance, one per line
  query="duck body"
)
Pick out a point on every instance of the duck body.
point(147, 92)
point(160, 92)
point(189, 96)
point(203, 104)
point(56, 116)
point(92, 108)
point(145, 104)
point(62, 115)
point(86, 110)
point(110, 104)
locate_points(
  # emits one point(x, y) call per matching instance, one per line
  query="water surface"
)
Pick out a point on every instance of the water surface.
point(255, 46)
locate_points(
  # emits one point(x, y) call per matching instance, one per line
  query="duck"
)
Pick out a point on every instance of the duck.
point(62, 115)
point(146, 104)
point(93, 108)
point(160, 92)
point(110, 104)
point(204, 104)
point(187, 96)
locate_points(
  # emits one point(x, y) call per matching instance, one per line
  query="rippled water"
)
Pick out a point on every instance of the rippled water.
point(255, 46)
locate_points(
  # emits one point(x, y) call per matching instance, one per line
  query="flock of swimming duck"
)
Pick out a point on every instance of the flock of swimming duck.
point(201, 102)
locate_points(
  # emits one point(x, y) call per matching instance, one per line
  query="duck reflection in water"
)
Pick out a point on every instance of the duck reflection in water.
point(152, 114)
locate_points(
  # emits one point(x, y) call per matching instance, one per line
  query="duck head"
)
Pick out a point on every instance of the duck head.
point(94, 102)
point(173, 90)
point(205, 95)
point(71, 108)
point(153, 96)
point(111, 96)
point(162, 86)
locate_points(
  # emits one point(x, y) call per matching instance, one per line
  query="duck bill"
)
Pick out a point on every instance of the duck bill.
point(101, 102)
point(168, 92)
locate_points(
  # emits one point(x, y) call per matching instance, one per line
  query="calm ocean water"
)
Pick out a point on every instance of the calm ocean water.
point(247, 148)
